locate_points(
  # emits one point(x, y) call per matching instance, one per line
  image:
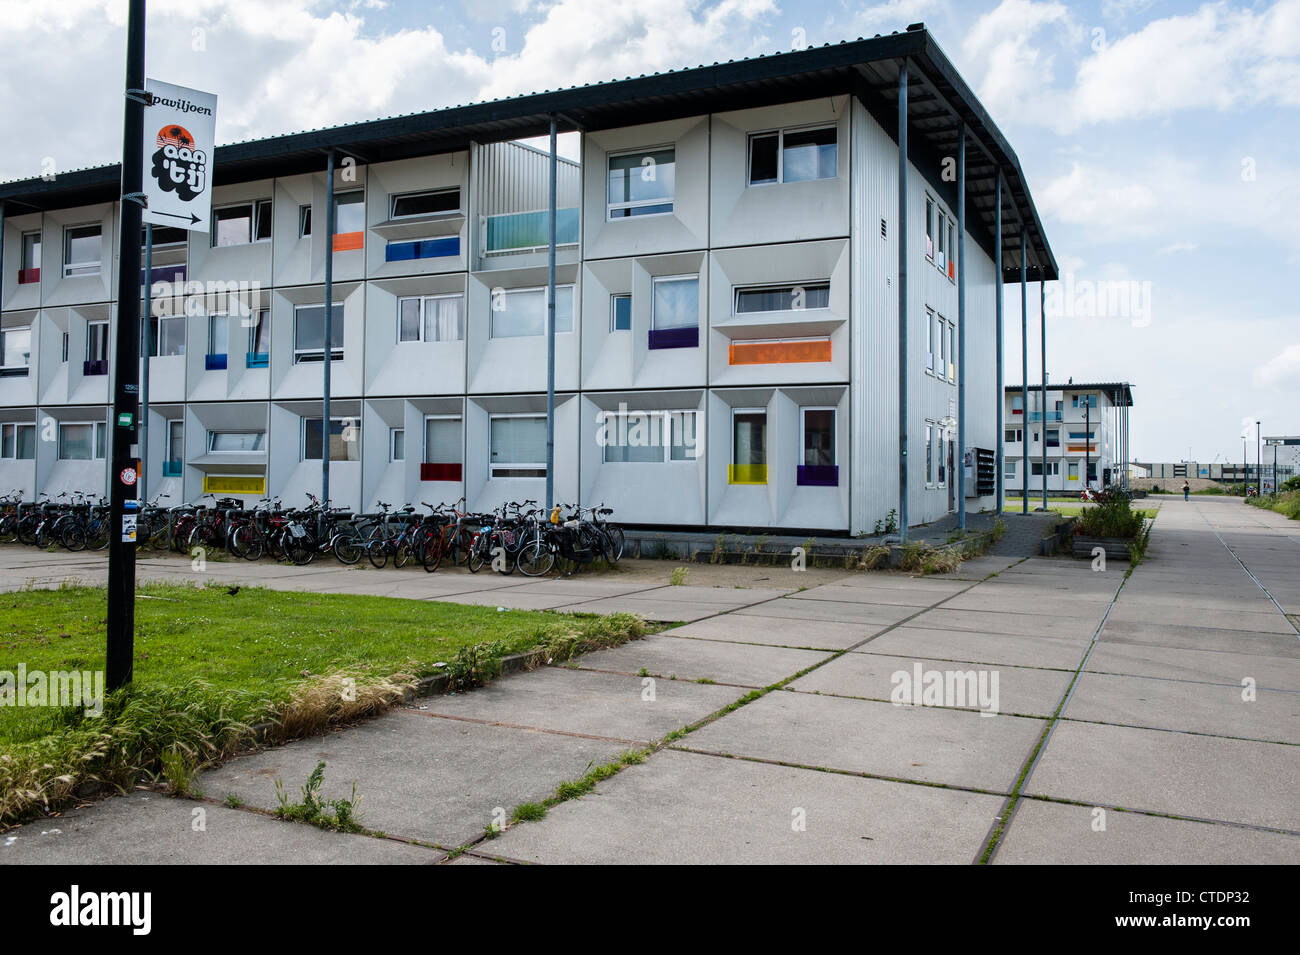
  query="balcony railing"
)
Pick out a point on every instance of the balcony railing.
point(1044, 416)
point(527, 231)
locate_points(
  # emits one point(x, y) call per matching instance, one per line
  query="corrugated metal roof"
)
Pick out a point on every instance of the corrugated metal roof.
point(1119, 392)
point(939, 102)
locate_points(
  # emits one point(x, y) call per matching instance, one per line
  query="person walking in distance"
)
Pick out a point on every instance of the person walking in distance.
point(1187, 491)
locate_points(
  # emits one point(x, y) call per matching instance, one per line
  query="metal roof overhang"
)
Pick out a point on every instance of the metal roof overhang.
point(1120, 393)
point(939, 101)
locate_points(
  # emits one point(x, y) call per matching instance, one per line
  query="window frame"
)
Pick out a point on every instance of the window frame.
point(348, 194)
point(507, 292)
point(780, 133)
point(396, 196)
point(737, 290)
point(422, 299)
point(670, 201)
point(4, 350)
point(732, 434)
point(24, 263)
point(174, 424)
point(213, 435)
point(327, 434)
point(256, 209)
point(14, 428)
point(835, 436)
point(450, 416)
point(514, 465)
point(392, 444)
point(614, 299)
point(691, 453)
point(98, 440)
point(105, 324)
point(687, 277)
point(82, 270)
point(298, 353)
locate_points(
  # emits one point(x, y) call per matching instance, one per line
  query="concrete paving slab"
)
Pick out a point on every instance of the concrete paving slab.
point(683, 808)
point(722, 597)
point(811, 634)
point(664, 655)
point(1177, 773)
point(1027, 624)
point(1021, 690)
point(1201, 638)
point(509, 598)
point(582, 701)
point(833, 611)
point(971, 647)
point(1266, 621)
point(153, 829)
point(1191, 707)
point(418, 776)
point(953, 747)
point(669, 611)
point(1046, 833)
point(1016, 600)
point(1206, 666)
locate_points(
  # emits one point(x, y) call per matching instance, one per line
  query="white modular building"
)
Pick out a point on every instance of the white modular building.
point(777, 304)
point(1071, 435)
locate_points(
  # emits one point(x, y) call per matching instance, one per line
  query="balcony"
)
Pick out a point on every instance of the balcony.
point(1044, 416)
point(529, 231)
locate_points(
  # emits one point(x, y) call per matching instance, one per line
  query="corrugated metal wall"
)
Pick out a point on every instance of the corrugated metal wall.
point(513, 177)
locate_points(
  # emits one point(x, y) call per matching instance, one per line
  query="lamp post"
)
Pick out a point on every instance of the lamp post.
point(1259, 463)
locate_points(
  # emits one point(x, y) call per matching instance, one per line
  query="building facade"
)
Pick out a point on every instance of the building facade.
point(727, 306)
point(1082, 431)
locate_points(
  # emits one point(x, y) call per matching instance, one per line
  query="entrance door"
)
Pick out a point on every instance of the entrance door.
point(954, 477)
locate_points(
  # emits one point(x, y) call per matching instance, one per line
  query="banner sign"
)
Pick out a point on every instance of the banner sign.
point(180, 128)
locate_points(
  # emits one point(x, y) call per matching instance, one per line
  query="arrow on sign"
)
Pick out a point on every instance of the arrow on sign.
point(172, 215)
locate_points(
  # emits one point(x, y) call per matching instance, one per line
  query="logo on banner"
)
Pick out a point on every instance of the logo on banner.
point(178, 165)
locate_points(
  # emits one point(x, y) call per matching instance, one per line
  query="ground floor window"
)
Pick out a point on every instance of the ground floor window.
point(748, 446)
point(18, 441)
point(83, 441)
point(517, 446)
point(345, 439)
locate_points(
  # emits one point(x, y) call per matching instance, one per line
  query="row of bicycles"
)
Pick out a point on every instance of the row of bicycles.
point(518, 536)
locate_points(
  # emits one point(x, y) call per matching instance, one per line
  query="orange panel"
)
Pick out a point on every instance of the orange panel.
point(347, 241)
point(780, 353)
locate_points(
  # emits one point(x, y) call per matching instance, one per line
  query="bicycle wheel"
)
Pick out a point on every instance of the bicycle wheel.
point(299, 550)
point(348, 547)
point(535, 559)
point(377, 548)
point(616, 542)
point(27, 529)
point(73, 536)
point(434, 545)
point(402, 550)
point(475, 558)
point(97, 534)
point(246, 542)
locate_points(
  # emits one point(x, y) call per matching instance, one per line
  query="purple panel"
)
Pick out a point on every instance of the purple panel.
point(819, 475)
point(674, 337)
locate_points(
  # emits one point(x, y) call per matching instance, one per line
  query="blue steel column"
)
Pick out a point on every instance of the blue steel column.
point(902, 301)
point(329, 327)
point(1001, 395)
point(1024, 379)
point(960, 476)
point(146, 350)
point(1042, 318)
point(550, 333)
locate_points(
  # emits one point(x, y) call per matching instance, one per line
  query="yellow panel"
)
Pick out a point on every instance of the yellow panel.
point(746, 473)
point(233, 484)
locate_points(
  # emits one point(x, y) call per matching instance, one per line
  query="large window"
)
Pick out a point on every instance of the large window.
point(783, 298)
point(242, 223)
point(432, 318)
point(442, 441)
point(424, 203)
point(345, 439)
point(349, 212)
point(793, 155)
point(1052, 437)
point(82, 441)
point(641, 183)
point(170, 332)
point(309, 333)
point(520, 313)
point(229, 442)
point(818, 439)
point(18, 441)
point(676, 302)
point(748, 446)
point(517, 446)
point(15, 350)
point(218, 334)
point(81, 250)
point(649, 437)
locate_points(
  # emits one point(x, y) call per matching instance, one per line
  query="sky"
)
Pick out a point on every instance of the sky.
point(1160, 139)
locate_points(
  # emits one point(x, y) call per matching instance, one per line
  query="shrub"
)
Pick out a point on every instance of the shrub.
point(1113, 516)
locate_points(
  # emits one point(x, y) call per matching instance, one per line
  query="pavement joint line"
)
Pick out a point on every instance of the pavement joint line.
point(1242, 564)
point(929, 706)
point(1003, 821)
point(835, 771)
point(983, 663)
point(705, 681)
point(1154, 813)
point(483, 854)
point(1175, 679)
point(523, 726)
point(1166, 729)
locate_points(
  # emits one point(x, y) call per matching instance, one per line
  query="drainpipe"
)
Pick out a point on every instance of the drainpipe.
point(145, 351)
point(902, 302)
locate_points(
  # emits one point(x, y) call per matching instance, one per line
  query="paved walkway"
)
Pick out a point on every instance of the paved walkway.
point(1129, 692)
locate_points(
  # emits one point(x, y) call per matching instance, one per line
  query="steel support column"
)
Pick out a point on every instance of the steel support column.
point(1024, 377)
point(1042, 318)
point(902, 302)
point(550, 328)
point(960, 476)
point(1001, 396)
point(328, 357)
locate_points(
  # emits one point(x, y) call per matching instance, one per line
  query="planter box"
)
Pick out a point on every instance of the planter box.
point(1115, 547)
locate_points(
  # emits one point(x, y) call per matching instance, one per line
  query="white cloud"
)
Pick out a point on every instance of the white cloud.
point(1281, 371)
point(1177, 247)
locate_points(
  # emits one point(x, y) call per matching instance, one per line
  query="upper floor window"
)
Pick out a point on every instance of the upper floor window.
point(620, 313)
point(242, 223)
point(227, 442)
point(97, 341)
point(304, 220)
point(424, 203)
point(432, 318)
point(18, 441)
point(164, 236)
point(30, 257)
point(519, 313)
point(81, 250)
point(15, 350)
point(309, 333)
point(783, 298)
point(349, 212)
point(676, 302)
point(793, 155)
point(1084, 401)
point(641, 183)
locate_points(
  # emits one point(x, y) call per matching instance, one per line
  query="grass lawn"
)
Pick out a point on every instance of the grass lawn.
point(208, 664)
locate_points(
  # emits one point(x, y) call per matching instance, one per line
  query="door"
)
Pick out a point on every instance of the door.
point(954, 477)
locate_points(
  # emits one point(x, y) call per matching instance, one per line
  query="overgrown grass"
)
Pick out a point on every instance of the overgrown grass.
point(1287, 503)
point(1112, 516)
point(210, 666)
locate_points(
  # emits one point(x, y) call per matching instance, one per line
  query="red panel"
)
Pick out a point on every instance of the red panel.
point(27, 276)
point(439, 472)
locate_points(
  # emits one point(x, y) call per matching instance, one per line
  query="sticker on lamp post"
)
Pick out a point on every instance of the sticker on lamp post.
point(128, 476)
point(129, 517)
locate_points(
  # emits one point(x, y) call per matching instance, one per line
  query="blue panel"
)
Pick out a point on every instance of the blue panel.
point(422, 249)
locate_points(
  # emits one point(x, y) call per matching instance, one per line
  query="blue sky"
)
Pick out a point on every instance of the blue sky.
point(1160, 139)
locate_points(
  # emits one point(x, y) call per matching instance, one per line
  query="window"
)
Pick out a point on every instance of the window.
point(1008, 467)
point(176, 440)
point(641, 183)
point(1017, 404)
point(396, 444)
point(620, 313)
point(648, 437)
point(952, 251)
point(929, 454)
point(790, 155)
point(18, 441)
point(81, 250)
point(1073, 473)
point(29, 259)
point(929, 228)
point(1053, 437)
point(1084, 401)
point(424, 203)
point(227, 442)
point(941, 360)
point(517, 446)
point(930, 343)
point(952, 352)
point(170, 332)
point(943, 456)
point(1013, 435)
point(64, 357)
point(218, 339)
point(345, 439)
point(259, 337)
point(783, 298)
point(349, 212)
point(748, 446)
point(1036, 468)
point(522, 312)
point(1083, 435)
point(432, 318)
point(676, 302)
point(818, 437)
point(97, 341)
point(304, 220)
point(242, 224)
point(15, 350)
point(442, 442)
point(82, 441)
point(309, 333)
point(164, 236)
point(939, 259)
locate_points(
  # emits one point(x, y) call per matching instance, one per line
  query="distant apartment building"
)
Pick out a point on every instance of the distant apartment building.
point(726, 313)
point(1077, 439)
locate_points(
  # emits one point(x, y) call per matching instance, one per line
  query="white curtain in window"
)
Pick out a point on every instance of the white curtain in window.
point(443, 319)
point(518, 440)
point(677, 303)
